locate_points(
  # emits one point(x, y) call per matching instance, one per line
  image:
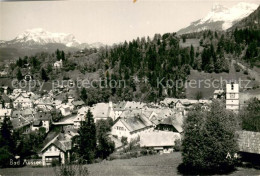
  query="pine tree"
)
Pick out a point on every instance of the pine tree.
point(19, 75)
point(87, 138)
point(191, 55)
point(62, 56)
point(44, 75)
point(7, 145)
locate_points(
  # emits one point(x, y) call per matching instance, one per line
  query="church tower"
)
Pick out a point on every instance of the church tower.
point(232, 96)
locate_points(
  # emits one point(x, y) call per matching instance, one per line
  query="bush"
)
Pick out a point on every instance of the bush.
point(144, 152)
point(237, 67)
point(55, 163)
point(134, 154)
point(71, 170)
point(177, 146)
point(245, 72)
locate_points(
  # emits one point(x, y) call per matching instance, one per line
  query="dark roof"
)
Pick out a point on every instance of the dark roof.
point(43, 116)
point(37, 123)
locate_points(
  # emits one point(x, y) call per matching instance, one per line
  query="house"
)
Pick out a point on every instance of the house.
point(173, 124)
point(117, 109)
point(15, 93)
point(58, 64)
point(45, 104)
point(6, 101)
point(160, 141)
point(5, 113)
point(3, 73)
point(232, 97)
point(42, 119)
point(59, 148)
point(22, 124)
point(131, 127)
point(100, 111)
point(218, 94)
point(78, 103)
point(66, 109)
point(23, 101)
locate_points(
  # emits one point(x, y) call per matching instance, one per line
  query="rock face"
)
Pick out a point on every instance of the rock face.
point(221, 18)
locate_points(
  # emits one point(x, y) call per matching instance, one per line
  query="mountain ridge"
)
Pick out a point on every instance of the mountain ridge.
point(220, 18)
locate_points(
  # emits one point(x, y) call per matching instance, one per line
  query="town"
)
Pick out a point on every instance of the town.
point(140, 92)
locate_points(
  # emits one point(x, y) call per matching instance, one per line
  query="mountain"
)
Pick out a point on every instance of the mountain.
point(252, 21)
point(38, 40)
point(39, 36)
point(221, 18)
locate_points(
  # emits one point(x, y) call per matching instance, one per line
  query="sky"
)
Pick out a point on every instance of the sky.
point(106, 21)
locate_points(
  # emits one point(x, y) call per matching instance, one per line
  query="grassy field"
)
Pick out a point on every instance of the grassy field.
point(157, 165)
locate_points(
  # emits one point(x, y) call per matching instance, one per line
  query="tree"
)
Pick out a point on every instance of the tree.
point(191, 55)
point(19, 75)
point(87, 138)
point(83, 94)
point(105, 145)
point(62, 56)
point(199, 95)
point(250, 115)
point(212, 135)
point(44, 75)
point(7, 145)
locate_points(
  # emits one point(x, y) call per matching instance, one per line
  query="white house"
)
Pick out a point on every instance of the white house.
point(58, 149)
point(5, 113)
point(58, 64)
point(42, 119)
point(66, 109)
point(232, 96)
point(23, 101)
point(131, 127)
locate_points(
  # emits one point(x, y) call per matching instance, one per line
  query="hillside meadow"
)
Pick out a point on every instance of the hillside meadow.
point(164, 165)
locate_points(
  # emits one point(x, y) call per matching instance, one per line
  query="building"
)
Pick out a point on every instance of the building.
point(173, 124)
point(100, 111)
point(23, 101)
point(3, 73)
point(160, 141)
point(218, 94)
point(42, 119)
point(58, 149)
point(6, 101)
point(131, 127)
point(5, 113)
point(232, 96)
point(58, 64)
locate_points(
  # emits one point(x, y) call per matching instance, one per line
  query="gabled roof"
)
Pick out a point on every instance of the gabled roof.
point(61, 141)
point(175, 121)
point(135, 122)
point(20, 122)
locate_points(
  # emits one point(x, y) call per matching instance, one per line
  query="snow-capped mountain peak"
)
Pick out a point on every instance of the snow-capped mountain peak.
point(41, 37)
point(221, 17)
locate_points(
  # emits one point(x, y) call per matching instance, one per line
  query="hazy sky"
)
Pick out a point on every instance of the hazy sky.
point(103, 21)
